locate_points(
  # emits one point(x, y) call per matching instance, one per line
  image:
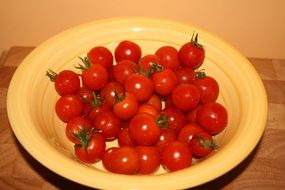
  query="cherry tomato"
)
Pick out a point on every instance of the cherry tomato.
point(107, 93)
point(108, 124)
point(75, 126)
point(148, 108)
point(176, 118)
point(208, 87)
point(95, 77)
point(166, 136)
point(128, 50)
point(124, 138)
point(125, 106)
point(144, 130)
point(192, 54)
point(168, 56)
point(191, 116)
point(68, 106)
point(149, 61)
point(124, 160)
point(139, 85)
point(155, 101)
point(149, 158)
point(65, 82)
point(185, 75)
point(91, 149)
point(85, 95)
point(213, 117)
point(122, 70)
point(188, 131)
point(107, 157)
point(176, 156)
point(185, 96)
point(164, 82)
point(202, 144)
point(102, 56)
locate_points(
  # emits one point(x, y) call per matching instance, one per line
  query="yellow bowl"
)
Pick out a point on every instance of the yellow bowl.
point(31, 99)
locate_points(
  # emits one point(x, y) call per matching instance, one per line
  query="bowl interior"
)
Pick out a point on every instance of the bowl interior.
point(31, 100)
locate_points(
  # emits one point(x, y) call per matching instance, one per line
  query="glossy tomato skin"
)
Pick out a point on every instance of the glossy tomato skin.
point(107, 93)
point(202, 144)
point(95, 77)
point(94, 150)
point(127, 107)
point(208, 87)
point(155, 101)
point(66, 82)
point(139, 85)
point(108, 124)
point(90, 111)
point(148, 61)
point(124, 160)
point(176, 156)
point(68, 106)
point(128, 50)
point(185, 96)
point(191, 54)
point(188, 131)
point(168, 56)
point(124, 138)
point(166, 136)
point(122, 70)
point(149, 158)
point(148, 108)
point(102, 56)
point(213, 117)
point(176, 118)
point(185, 75)
point(107, 157)
point(164, 82)
point(74, 127)
point(85, 95)
point(144, 130)
point(191, 116)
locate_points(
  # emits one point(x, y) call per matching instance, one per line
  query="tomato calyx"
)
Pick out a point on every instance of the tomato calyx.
point(83, 137)
point(51, 74)
point(154, 67)
point(119, 98)
point(200, 74)
point(86, 63)
point(194, 41)
point(209, 144)
point(162, 121)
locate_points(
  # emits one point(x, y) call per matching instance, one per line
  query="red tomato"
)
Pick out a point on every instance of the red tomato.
point(188, 131)
point(108, 124)
point(166, 136)
point(75, 126)
point(65, 82)
point(126, 106)
point(149, 158)
point(144, 130)
point(91, 149)
point(85, 95)
point(176, 156)
point(124, 160)
point(124, 138)
point(107, 157)
point(107, 93)
point(208, 87)
point(155, 101)
point(168, 56)
point(102, 56)
point(213, 117)
point(147, 108)
point(164, 82)
point(202, 145)
point(128, 50)
point(148, 61)
point(185, 75)
point(176, 118)
point(68, 106)
point(185, 96)
point(95, 77)
point(139, 85)
point(192, 115)
point(122, 70)
point(192, 54)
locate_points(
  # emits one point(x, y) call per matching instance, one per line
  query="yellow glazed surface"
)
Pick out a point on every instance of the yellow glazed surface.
point(31, 99)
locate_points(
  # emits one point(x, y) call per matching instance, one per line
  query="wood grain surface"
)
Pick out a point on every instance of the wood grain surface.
point(264, 168)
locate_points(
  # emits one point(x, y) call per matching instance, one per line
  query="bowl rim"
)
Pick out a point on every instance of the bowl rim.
point(181, 179)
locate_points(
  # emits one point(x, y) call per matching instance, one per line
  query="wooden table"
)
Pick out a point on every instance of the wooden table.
point(264, 168)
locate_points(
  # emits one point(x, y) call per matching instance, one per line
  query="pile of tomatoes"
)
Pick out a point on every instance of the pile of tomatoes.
point(160, 108)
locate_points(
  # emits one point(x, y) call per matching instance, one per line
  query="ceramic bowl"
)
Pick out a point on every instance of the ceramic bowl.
point(31, 100)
